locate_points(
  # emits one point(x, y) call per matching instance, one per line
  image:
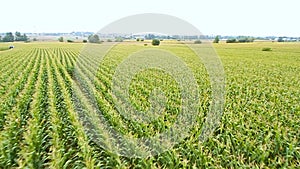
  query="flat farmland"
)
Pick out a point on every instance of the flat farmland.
point(46, 88)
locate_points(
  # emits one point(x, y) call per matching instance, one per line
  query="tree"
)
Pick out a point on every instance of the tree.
point(61, 39)
point(280, 39)
point(18, 34)
point(20, 37)
point(9, 37)
point(155, 42)
point(244, 39)
point(25, 38)
point(217, 39)
point(231, 41)
point(94, 38)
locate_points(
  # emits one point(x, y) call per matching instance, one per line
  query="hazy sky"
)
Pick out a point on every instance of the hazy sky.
point(211, 17)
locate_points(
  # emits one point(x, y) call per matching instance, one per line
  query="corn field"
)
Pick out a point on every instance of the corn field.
point(48, 96)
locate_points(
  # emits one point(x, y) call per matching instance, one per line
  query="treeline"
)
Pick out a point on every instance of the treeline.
point(240, 40)
point(10, 37)
point(92, 39)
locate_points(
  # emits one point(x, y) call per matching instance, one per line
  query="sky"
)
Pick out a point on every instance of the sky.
point(211, 17)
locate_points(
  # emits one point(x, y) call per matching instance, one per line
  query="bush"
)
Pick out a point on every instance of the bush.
point(137, 39)
point(70, 41)
point(266, 49)
point(84, 41)
point(197, 42)
point(155, 42)
point(145, 44)
point(109, 40)
point(142, 40)
point(119, 40)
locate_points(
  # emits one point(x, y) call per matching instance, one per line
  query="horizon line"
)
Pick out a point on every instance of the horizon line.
point(209, 35)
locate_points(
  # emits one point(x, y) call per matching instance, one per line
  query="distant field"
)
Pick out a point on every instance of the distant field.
point(39, 105)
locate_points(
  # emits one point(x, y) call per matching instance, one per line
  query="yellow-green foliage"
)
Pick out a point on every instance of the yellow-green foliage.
point(40, 107)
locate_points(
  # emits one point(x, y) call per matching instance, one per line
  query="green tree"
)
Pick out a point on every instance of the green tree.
point(280, 39)
point(61, 39)
point(25, 38)
point(9, 37)
point(244, 39)
point(18, 34)
point(20, 37)
point(94, 38)
point(217, 39)
point(155, 42)
point(231, 41)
